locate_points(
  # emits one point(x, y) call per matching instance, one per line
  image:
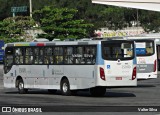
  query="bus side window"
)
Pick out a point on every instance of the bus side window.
point(78, 55)
point(58, 53)
point(9, 56)
point(28, 56)
point(8, 62)
point(89, 55)
point(36, 53)
point(85, 55)
point(40, 61)
point(18, 56)
point(48, 59)
point(68, 51)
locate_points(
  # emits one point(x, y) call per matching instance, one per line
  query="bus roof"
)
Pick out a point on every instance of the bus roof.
point(41, 40)
point(53, 43)
point(142, 37)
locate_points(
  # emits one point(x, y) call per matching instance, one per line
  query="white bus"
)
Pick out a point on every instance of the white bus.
point(70, 66)
point(146, 57)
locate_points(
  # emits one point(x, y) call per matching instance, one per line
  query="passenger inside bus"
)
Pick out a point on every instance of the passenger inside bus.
point(149, 50)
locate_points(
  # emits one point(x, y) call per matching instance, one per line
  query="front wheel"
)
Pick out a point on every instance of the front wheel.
point(21, 88)
point(98, 91)
point(65, 87)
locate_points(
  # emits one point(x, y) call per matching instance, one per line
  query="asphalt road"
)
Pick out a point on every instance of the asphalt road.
point(145, 95)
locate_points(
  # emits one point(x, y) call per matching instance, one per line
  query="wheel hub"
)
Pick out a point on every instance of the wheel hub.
point(20, 85)
point(65, 87)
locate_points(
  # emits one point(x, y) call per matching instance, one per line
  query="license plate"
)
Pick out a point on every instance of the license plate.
point(118, 78)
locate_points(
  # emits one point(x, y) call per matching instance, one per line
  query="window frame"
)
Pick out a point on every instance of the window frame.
point(146, 40)
point(53, 54)
point(103, 44)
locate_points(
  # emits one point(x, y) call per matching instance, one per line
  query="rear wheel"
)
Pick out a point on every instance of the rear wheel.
point(21, 88)
point(98, 91)
point(65, 87)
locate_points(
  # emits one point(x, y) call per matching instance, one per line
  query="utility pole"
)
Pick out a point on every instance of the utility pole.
point(30, 8)
point(137, 21)
point(137, 18)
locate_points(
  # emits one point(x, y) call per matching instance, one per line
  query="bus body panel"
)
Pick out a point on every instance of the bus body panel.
point(49, 76)
point(146, 64)
point(118, 75)
point(151, 75)
point(9, 79)
point(80, 76)
point(117, 72)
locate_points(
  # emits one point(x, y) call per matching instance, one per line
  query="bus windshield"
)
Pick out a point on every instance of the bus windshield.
point(144, 48)
point(123, 50)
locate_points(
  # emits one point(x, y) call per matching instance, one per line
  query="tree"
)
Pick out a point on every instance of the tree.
point(114, 18)
point(97, 14)
point(5, 7)
point(150, 21)
point(61, 23)
point(13, 29)
point(88, 11)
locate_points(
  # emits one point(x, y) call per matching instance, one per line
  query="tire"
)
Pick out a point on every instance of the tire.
point(65, 87)
point(98, 91)
point(52, 91)
point(21, 88)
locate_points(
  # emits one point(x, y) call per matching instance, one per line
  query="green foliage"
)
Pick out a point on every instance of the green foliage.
point(114, 18)
point(5, 7)
point(61, 23)
point(150, 21)
point(88, 11)
point(10, 40)
point(96, 14)
point(12, 29)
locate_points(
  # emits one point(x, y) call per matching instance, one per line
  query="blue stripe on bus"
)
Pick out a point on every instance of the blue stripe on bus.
point(135, 54)
point(33, 44)
point(134, 61)
point(99, 60)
